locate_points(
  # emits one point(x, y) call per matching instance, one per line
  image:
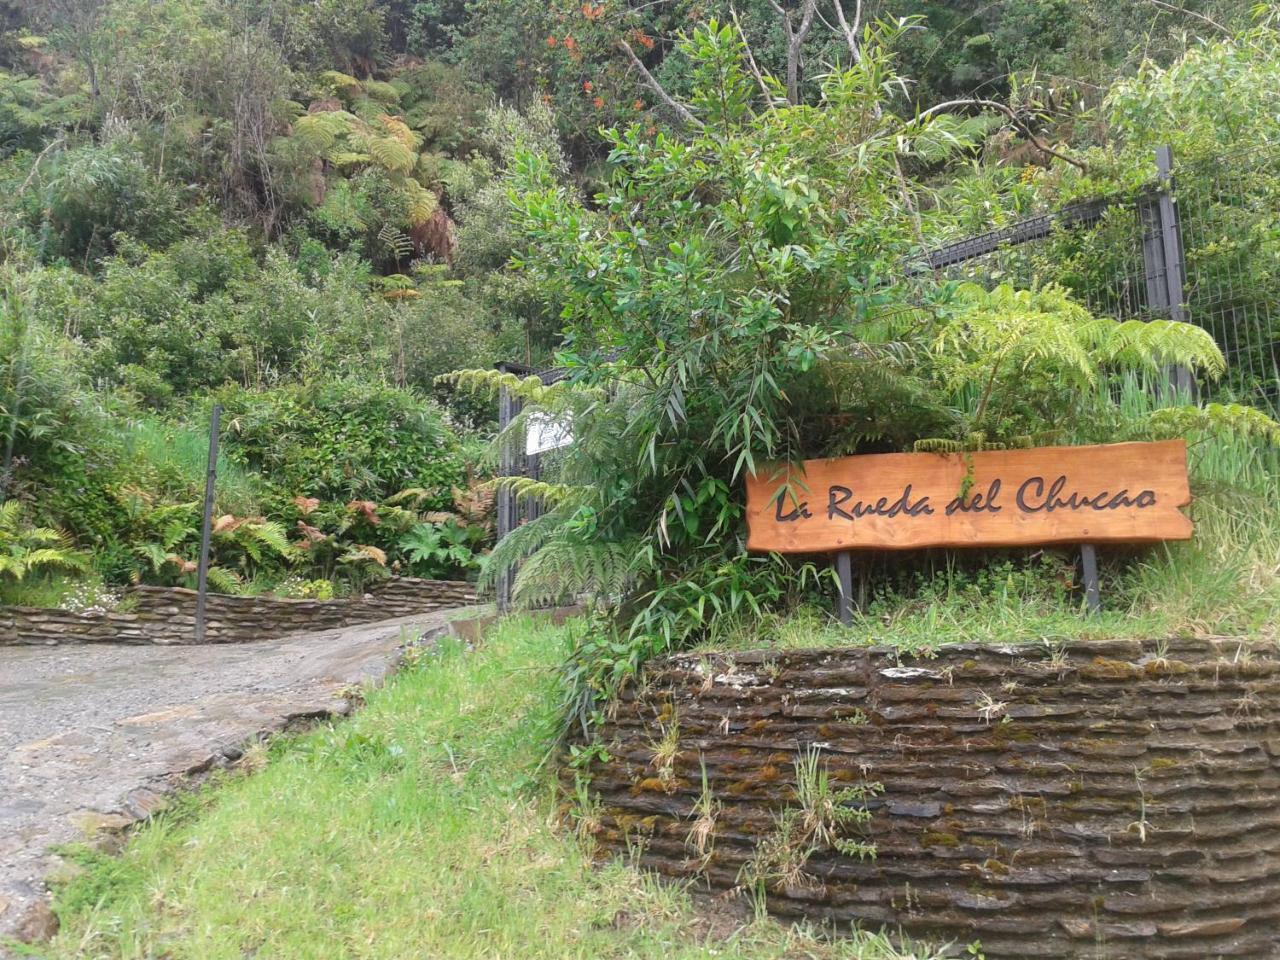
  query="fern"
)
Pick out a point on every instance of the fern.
point(396, 243)
point(339, 82)
point(26, 549)
point(396, 129)
point(381, 91)
point(388, 153)
point(422, 203)
point(349, 158)
point(529, 389)
point(322, 131)
point(223, 580)
point(549, 493)
point(522, 542)
point(566, 568)
point(1214, 419)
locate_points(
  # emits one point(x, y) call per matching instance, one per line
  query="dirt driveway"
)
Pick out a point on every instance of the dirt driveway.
point(92, 737)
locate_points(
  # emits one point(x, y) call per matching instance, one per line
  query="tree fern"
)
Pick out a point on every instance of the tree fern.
point(321, 131)
point(566, 567)
point(1214, 419)
point(396, 243)
point(549, 493)
point(423, 203)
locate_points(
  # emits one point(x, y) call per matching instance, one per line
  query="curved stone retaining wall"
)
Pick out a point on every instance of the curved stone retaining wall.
point(166, 615)
point(1116, 799)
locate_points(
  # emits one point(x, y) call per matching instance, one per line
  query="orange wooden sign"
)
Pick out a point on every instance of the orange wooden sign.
point(1116, 493)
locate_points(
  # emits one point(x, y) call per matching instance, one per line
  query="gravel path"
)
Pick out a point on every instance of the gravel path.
point(92, 737)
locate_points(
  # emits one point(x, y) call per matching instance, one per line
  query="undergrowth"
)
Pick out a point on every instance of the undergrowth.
point(1225, 581)
point(422, 827)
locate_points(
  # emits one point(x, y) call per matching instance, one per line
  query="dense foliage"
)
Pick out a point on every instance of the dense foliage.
point(735, 296)
point(309, 212)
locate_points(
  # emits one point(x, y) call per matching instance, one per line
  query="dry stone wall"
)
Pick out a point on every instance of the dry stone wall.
point(1100, 800)
point(166, 615)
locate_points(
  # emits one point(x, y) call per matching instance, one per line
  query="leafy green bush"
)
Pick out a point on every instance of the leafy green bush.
point(735, 297)
point(342, 440)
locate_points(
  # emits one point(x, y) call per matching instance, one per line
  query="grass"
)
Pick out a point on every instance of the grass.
point(422, 827)
point(181, 451)
point(1223, 582)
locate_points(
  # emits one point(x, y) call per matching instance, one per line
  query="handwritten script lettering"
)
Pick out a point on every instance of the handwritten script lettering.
point(1115, 493)
point(1032, 497)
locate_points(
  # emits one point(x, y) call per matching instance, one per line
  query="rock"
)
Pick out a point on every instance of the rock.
point(38, 925)
point(92, 823)
point(1202, 928)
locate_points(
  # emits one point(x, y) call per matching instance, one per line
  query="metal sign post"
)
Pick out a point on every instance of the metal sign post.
point(206, 530)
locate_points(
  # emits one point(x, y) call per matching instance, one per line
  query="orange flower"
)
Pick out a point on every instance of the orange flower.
point(570, 43)
point(587, 85)
point(593, 11)
point(552, 41)
point(637, 104)
point(598, 102)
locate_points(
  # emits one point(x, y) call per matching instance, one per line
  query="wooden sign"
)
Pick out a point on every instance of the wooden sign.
point(1117, 493)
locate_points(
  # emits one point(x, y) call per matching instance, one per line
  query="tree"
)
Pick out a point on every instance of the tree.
point(736, 298)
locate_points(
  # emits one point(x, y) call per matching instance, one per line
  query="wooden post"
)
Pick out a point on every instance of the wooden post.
point(206, 529)
point(844, 573)
point(1092, 591)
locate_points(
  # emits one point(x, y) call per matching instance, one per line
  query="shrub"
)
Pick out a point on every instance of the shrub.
point(342, 440)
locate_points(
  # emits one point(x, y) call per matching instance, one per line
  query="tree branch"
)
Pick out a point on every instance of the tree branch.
point(751, 60)
point(679, 109)
point(1014, 119)
point(795, 43)
point(850, 31)
point(53, 145)
point(1191, 13)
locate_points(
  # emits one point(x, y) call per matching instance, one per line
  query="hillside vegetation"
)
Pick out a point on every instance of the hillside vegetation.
point(332, 218)
point(300, 210)
point(317, 214)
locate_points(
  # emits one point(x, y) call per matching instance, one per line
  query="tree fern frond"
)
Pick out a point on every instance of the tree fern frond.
point(423, 203)
point(1215, 419)
point(401, 132)
point(937, 445)
point(397, 244)
point(389, 153)
point(524, 540)
point(549, 493)
point(382, 91)
point(566, 568)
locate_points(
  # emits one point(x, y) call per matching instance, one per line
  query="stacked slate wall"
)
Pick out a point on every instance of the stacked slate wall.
point(1108, 799)
point(166, 615)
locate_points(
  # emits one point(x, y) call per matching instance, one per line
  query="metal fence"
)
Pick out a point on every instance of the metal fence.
point(1200, 244)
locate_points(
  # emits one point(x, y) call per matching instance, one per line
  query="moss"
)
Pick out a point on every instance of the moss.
point(937, 838)
point(1164, 763)
point(1004, 732)
point(1164, 667)
point(969, 665)
point(996, 867)
point(1117, 669)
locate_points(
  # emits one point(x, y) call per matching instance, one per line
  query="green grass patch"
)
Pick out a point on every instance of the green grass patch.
point(422, 827)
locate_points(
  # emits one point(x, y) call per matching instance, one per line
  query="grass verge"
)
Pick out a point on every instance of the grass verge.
point(423, 827)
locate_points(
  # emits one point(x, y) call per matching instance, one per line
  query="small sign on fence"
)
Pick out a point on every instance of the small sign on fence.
point(1115, 493)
